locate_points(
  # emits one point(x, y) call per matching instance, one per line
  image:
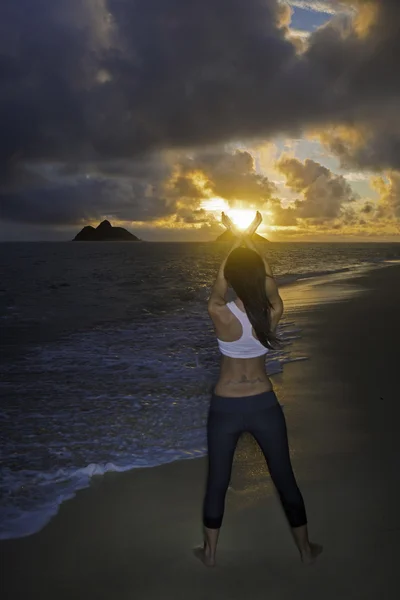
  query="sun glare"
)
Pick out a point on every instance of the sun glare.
point(216, 205)
point(241, 217)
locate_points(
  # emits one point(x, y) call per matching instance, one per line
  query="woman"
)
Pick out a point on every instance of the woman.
point(243, 398)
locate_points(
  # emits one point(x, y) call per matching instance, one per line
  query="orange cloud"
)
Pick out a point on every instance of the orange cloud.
point(389, 191)
point(367, 15)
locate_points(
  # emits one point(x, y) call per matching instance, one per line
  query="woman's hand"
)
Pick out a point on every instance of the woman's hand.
point(226, 221)
point(254, 224)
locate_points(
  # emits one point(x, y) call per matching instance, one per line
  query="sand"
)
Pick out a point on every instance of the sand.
point(130, 535)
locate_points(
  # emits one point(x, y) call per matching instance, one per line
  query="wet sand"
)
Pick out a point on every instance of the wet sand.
point(131, 535)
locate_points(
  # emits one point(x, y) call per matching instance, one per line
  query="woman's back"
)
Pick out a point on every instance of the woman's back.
point(247, 344)
point(243, 356)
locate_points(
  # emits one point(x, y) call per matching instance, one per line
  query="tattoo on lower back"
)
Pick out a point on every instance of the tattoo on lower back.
point(245, 379)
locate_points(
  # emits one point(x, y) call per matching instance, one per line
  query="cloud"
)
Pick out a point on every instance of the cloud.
point(355, 176)
point(300, 33)
point(324, 194)
point(152, 188)
point(330, 7)
point(116, 79)
point(58, 195)
point(284, 14)
point(84, 202)
point(222, 174)
point(360, 54)
point(94, 85)
point(84, 81)
point(301, 176)
point(187, 215)
point(389, 191)
point(368, 208)
point(372, 144)
point(283, 217)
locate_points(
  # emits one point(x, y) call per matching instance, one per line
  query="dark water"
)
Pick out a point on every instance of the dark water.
point(108, 357)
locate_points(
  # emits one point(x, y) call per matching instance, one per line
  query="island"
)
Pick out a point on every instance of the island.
point(105, 232)
point(227, 236)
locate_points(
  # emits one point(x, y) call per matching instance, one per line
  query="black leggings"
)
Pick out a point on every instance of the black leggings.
point(262, 416)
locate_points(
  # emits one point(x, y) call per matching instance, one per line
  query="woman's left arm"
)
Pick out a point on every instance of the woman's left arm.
point(220, 287)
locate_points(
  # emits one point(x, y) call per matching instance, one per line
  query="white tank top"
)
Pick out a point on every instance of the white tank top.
point(247, 346)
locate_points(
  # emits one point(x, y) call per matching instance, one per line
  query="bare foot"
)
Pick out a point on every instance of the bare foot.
point(201, 555)
point(309, 557)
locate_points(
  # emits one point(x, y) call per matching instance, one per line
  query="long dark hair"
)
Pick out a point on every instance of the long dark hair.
point(245, 272)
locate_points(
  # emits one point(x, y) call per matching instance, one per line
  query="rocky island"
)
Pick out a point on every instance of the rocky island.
point(105, 232)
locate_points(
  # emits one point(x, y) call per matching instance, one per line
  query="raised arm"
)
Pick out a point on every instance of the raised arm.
point(220, 287)
point(271, 287)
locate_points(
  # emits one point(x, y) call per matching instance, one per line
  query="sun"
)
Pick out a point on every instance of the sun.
point(241, 217)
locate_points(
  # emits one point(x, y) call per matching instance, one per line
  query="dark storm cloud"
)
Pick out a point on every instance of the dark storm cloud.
point(361, 56)
point(100, 81)
point(56, 193)
point(55, 205)
point(113, 79)
point(371, 144)
point(86, 200)
point(360, 53)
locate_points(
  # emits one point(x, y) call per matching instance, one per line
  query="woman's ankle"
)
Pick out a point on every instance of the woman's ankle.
point(210, 542)
point(300, 536)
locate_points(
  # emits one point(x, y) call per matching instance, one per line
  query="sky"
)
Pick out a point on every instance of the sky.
point(158, 114)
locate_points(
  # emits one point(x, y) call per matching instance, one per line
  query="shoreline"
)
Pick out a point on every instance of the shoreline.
point(132, 533)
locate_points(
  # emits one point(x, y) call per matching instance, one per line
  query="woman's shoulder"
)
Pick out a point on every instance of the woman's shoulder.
point(220, 313)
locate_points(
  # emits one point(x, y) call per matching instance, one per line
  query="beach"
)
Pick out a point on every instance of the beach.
point(131, 535)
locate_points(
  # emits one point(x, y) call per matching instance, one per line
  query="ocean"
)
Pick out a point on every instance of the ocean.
point(108, 358)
